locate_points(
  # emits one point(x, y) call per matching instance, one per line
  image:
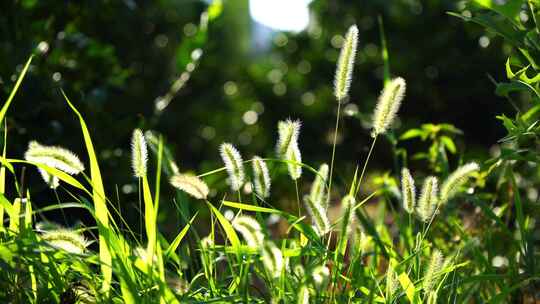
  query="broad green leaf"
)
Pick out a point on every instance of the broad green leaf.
point(412, 133)
point(408, 286)
point(449, 144)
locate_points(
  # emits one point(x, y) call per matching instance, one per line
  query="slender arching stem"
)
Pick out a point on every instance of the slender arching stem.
point(333, 151)
point(365, 165)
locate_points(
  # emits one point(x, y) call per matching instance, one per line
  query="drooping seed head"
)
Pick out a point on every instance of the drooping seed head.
point(261, 177)
point(432, 271)
point(451, 185)
point(250, 229)
point(345, 66)
point(51, 180)
point(388, 105)
point(318, 215)
point(272, 259)
point(408, 191)
point(288, 132)
point(429, 199)
point(234, 165)
point(55, 157)
point(317, 193)
point(139, 153)
point(66, 239)
point(191, 185)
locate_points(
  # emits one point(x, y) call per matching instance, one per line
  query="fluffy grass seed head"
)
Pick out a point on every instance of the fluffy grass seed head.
point(347, 217)
point(388, 105)
point(66, 240)
point(317, 192)
point(320, 276)
point(250, 229)
point(294, 159)
point(139, 153)
point(429, 199)
point(51, 180)
point(432, 270)
point(408, 191)
point(303, 295)
point(318, 214)
point(392, 283)
point(345, 66)
point(451, 185)
point(288, 132)
point(261, 177)
point(190, 184)
point(55, 157)
point(234, 165)
point(272, 259)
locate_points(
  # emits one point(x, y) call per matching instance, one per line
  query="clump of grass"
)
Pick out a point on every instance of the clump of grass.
point(321, 255)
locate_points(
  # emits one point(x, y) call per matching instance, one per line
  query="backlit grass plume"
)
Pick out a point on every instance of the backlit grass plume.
point(318, 214)
point(347, 216)
point(261, 177)
point(303, 295)
point(191, 185)
point(451, 185)
point(139, 153)
point(433, 269)
point(345, 66)
point(320, 276)
point(55, 157)
point(288, 132)
point(250, 230)
point(408, 191)
point(388, 105)
point(429, 198)
point(272, 259)
point(317, 192)
point(66, 239)
point(392, 283)
point(234, 165)
point(51, 180)
point(294, 159)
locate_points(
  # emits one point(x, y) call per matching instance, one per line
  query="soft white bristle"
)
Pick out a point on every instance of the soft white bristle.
point(345, 66)
point(139, 153)
point(234, 165)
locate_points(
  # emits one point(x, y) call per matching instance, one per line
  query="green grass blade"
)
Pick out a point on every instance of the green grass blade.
point(179, 238)
point(100, 205)
point(227, 227)
point(253, 208)
point(15, 88)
